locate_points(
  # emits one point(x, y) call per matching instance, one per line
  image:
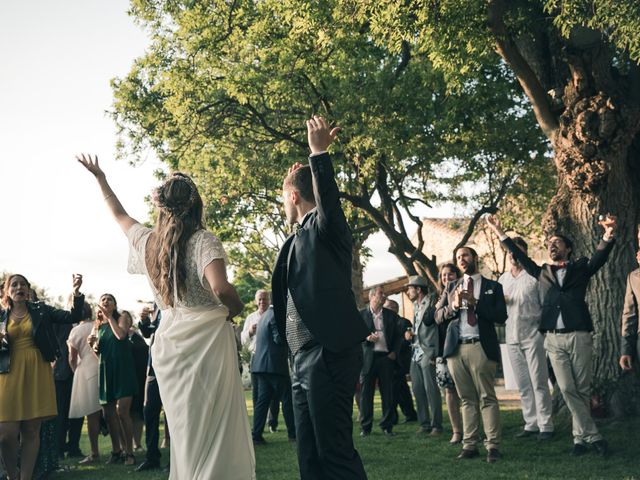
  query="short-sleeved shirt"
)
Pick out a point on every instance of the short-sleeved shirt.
point(202, 249)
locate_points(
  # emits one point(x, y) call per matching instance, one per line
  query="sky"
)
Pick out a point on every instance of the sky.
point(57, 61)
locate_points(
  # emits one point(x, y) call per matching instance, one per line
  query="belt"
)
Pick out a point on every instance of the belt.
point(561, 330)
point(466, 341)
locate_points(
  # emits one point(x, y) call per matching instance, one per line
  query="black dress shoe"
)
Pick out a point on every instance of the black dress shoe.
point(526, 433)
point(147, 465)
point(493, 455)
point(601, 447)
point(259, 441)
point(410, 419)
point(578, 450)
point(468, 454)
point(388, 432)
point(543, 436)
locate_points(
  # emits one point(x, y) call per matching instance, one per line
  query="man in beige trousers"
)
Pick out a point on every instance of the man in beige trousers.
point(566, 323)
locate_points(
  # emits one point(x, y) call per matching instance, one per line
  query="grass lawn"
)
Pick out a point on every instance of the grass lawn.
point(407, 456)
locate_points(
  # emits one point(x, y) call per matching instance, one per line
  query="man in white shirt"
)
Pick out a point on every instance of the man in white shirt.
point(248, 339)
point(525, 346)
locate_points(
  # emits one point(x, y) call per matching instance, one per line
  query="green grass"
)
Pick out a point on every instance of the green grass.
point(407, 456)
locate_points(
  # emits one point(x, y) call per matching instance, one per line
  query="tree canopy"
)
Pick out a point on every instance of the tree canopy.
point(225, 87)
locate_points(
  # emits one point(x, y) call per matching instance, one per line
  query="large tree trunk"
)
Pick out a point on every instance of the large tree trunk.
point(598, 173)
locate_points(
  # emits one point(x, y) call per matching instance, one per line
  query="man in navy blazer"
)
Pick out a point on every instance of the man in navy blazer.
point(380, 352)
point(473, 304)
point(315, 308)
point(271, 369)
point(567, 324)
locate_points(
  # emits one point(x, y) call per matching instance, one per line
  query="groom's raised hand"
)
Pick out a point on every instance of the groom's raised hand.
point(319, 134)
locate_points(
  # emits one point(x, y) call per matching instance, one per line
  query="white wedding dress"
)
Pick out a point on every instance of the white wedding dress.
point(196, 364)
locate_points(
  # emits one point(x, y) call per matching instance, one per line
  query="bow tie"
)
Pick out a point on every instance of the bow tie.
point(559, 266)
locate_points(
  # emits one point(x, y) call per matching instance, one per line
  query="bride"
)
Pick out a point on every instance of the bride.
point(194, 353)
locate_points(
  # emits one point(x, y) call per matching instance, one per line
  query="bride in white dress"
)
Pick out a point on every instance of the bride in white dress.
point(194, 352)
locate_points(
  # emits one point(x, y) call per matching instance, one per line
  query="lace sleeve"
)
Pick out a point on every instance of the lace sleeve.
point(209, 248)
point(137, 236)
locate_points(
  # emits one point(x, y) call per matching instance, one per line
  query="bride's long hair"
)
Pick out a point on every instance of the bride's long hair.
point(179, 216)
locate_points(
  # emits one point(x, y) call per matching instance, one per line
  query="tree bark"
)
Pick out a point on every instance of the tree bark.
point(598, 174)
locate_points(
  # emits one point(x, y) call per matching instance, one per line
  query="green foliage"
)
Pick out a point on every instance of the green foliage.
point(225, 87)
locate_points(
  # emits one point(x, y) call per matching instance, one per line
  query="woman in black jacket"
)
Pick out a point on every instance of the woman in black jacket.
point(27, 392)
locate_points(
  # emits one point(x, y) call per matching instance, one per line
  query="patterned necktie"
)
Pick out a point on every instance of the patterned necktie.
point(471, 313)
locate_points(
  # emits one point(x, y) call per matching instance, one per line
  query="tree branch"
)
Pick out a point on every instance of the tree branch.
point(507, 49)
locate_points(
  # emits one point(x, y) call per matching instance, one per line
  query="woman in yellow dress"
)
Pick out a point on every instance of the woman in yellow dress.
point(27, 392)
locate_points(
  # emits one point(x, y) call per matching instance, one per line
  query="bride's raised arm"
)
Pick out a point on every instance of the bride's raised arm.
point(110, 198)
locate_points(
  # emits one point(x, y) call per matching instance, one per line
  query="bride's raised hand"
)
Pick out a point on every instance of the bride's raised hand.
point(91, 164)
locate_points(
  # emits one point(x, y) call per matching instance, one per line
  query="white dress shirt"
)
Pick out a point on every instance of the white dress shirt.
point(378, 324)
point(247, 338)
point(466, 330)
point(523, 306)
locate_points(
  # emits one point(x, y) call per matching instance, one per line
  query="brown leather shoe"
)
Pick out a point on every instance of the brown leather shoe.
point(456, 438)
point(466, 454)
point(493, 455)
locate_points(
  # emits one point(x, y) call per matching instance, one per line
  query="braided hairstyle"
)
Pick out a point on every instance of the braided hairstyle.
point(179, 216)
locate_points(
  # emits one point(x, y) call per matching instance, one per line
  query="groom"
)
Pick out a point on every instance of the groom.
point(315, 306)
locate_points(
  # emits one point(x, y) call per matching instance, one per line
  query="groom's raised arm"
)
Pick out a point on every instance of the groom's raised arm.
point(325, 189)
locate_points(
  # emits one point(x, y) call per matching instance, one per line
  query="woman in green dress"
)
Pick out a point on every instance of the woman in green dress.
point(110, 340)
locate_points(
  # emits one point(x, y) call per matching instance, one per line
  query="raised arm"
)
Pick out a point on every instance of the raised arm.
point(216, 275)
point(531, 267)
point(58, 315)
point(605, 246)
point(325, 189)
point(110, 198)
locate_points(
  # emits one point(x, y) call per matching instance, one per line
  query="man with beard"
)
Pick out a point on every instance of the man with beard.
point(424, 338)
point(630, 337)
point(567, 324)
point(472, 305)
point(315, 308)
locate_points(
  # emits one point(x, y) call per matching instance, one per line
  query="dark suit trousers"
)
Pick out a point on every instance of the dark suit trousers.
point(402, 396)
point(152, 406)
point(323, 386)
point(65, 426)
point(270, 387)
point(274, 408)
point(382, 371)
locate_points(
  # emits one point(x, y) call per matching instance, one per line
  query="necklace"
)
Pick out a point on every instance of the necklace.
point(16, 317)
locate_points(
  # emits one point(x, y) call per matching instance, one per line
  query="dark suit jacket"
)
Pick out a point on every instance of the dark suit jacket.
point(490, 309)
point(315, 265)
point(570, 297)
point(271, 348)
point(404, 358)
point(392, 335)
point(43, 317)
point(630, 314)
point(148, 330)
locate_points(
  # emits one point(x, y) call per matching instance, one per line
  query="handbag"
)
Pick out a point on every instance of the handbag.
point(5, 353)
